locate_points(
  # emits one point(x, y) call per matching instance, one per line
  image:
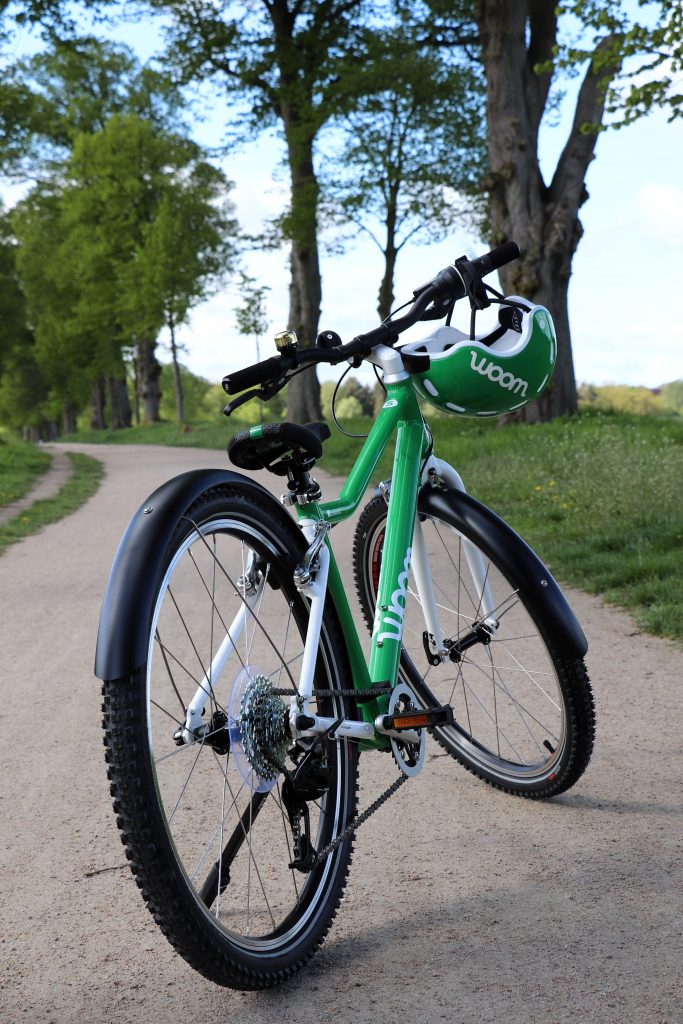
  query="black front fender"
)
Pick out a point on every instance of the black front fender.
point(123, 636)
point(523, 568)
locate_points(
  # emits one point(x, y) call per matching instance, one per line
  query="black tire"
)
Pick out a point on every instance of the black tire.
point(178, 806)
point(524, 717)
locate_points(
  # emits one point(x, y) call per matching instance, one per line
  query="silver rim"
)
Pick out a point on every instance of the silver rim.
point(262, 904)
point(506, 696)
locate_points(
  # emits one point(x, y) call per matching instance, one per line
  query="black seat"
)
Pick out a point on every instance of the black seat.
point(274, 446)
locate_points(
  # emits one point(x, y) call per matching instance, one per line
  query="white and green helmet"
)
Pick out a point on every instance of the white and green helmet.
point(494, 373)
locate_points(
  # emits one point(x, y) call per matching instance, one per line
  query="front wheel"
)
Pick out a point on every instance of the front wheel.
point(523, 715)
point(206, 823)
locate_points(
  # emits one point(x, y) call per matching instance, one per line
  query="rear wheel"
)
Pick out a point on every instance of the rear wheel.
point(206, 823)
point(524, 718)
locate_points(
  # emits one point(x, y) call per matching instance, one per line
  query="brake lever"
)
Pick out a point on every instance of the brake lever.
point(264, 393)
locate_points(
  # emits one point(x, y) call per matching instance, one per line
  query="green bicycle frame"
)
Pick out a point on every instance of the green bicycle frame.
point(399, 413)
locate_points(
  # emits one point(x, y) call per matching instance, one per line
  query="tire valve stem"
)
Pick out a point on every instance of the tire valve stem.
point(548, 746)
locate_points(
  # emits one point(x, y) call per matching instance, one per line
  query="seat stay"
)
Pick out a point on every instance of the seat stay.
point(441, 472)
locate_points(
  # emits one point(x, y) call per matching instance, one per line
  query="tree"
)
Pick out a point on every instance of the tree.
point(71, 88)
point(123, 243)
point(64, 278)
point(188, 247)
point(522, 52)
point(22, 387)
point(287, 61)
point(146, 201)
point(414, 148)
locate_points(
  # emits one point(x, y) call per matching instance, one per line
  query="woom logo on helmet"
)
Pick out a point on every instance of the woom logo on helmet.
point(500, 376)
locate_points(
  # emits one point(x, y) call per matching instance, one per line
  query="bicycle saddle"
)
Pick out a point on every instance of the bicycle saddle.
point(274, 445)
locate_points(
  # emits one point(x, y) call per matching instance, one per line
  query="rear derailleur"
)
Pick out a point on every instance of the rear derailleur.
point(308, 781)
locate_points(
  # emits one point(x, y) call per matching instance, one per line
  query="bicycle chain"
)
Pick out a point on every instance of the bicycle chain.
point(373, 691)
point(360, 820)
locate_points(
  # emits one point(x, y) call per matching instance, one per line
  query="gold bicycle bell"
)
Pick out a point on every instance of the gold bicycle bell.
point(286, 341)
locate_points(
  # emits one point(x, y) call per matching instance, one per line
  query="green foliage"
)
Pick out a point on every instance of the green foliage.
point(648, 48)
point(195, 391)
point(252, 314)
point(73, 88)
point(23, 389)
point(621, 398)
point(672, 396)
point(133, 234)
point(190, 239)
point(348, 407)
point(353, 398)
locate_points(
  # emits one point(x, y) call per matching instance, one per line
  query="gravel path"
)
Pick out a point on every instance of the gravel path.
point(464, 904)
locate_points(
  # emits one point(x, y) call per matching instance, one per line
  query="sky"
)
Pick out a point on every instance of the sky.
point(626, 321)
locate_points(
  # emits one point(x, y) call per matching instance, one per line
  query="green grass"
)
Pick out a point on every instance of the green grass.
point(20, 466)
point(83, 482)
point(600, 497)
point(215, 434)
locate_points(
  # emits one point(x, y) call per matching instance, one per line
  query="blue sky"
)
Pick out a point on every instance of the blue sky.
point(627, 326)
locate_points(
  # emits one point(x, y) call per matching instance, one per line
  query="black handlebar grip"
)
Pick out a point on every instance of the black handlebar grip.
point(497, 258)
point(259, 373)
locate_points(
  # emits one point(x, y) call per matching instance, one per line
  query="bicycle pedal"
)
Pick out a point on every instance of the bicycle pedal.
point(428, 719)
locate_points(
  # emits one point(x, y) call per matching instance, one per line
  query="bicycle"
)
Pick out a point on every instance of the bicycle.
point(237, 694)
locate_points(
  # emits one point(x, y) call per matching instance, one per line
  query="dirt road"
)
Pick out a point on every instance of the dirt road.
point(464, 904)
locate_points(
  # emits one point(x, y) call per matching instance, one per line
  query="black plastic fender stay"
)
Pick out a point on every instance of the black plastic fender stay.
point(123, 636)
point(524, 570)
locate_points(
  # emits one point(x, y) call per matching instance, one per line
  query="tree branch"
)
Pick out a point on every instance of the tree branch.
point(543, 33)
point(567, 185)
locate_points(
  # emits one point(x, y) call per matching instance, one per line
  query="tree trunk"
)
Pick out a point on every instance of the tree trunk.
point(386, 290)
point(119, 403)
point(303, 392)
point(69, 418)
point(136, 390)
point(97, 421)
point(149, 372)
point(177, 381)
point(296, 110)
point(542, 219)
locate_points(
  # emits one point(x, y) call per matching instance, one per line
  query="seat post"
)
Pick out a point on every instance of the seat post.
point(300, 484)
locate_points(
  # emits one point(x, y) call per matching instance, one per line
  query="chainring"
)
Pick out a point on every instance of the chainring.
point(408, 756)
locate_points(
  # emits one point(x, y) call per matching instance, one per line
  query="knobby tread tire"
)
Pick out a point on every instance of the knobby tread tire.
point(144, 835)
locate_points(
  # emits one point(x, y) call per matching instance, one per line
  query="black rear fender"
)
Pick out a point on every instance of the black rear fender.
point(524, 570)
point(123, 637)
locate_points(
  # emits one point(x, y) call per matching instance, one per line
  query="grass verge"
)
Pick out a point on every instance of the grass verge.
point(597, 496)
point(83, 482)
point(20, 466)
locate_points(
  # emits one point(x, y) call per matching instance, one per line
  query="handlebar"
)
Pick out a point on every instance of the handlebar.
point(450, 284)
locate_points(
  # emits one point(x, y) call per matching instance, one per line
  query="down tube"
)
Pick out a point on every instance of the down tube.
point(393, 579)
